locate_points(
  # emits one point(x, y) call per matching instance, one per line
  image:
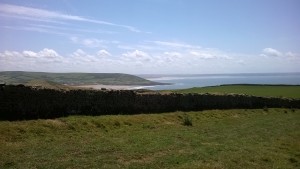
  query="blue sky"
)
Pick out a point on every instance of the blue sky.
point(150, 36)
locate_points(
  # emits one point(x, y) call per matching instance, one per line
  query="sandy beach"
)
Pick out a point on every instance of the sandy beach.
point(111, 87)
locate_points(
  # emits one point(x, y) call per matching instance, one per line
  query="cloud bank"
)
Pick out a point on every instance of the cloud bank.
point(139, 61)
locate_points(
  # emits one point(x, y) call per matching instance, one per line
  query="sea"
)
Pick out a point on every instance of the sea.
point(202, 80)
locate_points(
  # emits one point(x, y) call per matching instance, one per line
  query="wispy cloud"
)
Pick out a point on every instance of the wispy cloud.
point(68, 29)
point(174, 44)
point(210, 54)
point(38, 29)
point(22, 12)
point(90, 42)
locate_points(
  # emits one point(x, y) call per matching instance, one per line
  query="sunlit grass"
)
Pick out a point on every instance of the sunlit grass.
point(256, 90)
point(216, 139)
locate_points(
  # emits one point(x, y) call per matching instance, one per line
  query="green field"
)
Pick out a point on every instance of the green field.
point(256, 90)
point(218, 139)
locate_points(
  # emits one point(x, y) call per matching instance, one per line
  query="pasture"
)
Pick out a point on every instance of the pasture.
point(237, 138)
point(255, 90)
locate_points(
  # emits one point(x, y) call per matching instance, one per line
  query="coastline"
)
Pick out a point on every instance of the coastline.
point(112, 87)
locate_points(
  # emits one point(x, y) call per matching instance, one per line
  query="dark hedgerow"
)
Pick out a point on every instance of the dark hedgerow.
point(21, 102)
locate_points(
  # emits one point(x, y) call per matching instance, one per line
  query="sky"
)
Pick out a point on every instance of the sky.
point(150, 36)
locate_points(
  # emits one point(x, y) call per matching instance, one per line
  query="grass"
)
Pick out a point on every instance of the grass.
point(216, 139)
point(256, 90)
point(19, 77)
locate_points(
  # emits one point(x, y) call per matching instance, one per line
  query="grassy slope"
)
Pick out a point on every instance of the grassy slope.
point(74, 78)
point(49, 85)
point(257, 90)
point(217, 139)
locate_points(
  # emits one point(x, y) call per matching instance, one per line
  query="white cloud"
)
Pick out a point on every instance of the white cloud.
point(203, 55)
point(174, 44)
point(292, 55)
point(271, 52)
point(173, 54)
point(90, 42)
point(29, 54)
point(80, 56)
point(79, 52)
point(137, 55)
point(169, 57)
point(10, 54)
point(140, 61)
point(210, 54)
point(22, 12)
point(48, 53)
point(103, 53)
point(30, 60)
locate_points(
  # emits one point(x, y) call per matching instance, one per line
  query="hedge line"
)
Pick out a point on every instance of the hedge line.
point(21, 102)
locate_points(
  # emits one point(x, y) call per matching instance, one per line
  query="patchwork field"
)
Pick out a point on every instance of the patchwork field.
point(255, 138)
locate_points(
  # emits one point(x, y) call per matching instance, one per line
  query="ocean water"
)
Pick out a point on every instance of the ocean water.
point(189, 81)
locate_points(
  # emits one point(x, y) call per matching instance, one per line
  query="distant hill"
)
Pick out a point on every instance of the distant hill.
point(48, 85)
point(19, 77)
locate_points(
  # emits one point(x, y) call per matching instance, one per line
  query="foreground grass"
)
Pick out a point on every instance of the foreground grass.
point(267, 138)
point(256, 90)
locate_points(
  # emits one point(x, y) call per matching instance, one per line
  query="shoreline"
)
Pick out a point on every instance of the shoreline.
point(112, 87)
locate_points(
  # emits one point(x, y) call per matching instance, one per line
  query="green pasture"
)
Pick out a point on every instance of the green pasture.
point(256, 90)
point(218, 139)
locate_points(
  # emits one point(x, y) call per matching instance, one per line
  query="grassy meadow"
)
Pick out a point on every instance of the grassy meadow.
point(255, 90)
point(268, 138)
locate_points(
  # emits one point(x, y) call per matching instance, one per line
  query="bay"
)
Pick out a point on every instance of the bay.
point(202, 80)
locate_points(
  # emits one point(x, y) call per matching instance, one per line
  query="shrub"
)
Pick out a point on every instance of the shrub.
point(187, 121)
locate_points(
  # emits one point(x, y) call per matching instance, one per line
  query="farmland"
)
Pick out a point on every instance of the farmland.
point(289, 91)
point(237, 138)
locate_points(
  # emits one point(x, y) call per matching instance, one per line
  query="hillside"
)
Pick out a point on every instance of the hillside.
point(18, 77)
point(48, 85)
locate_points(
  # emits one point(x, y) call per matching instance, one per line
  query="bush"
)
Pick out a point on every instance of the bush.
point(187, 121)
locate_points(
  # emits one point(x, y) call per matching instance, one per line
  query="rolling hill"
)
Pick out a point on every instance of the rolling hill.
point(19, 77)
